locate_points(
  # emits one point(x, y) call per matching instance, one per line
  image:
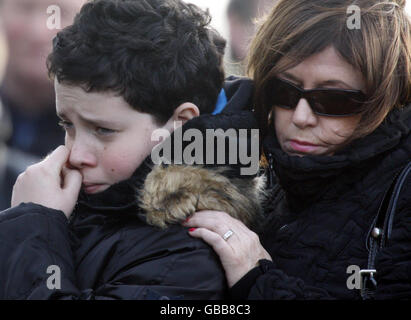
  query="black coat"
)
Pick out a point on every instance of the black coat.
point(320, 213)
point(111, 257)
point(107, 250)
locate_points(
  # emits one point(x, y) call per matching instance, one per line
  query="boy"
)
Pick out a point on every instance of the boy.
point(122, 70)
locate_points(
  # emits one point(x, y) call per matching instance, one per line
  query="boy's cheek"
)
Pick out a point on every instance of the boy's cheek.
point(121, 168)
point(119, 162)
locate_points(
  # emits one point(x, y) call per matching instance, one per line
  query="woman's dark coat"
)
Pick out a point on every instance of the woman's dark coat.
point(320, 212)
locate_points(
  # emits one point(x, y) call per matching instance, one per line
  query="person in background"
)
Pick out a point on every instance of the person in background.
point(26, 91)
point(11, 163)
point(7, 176)
point(241, 17)
point(3, 53)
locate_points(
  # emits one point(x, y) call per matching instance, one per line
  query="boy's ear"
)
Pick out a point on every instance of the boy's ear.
point(183, 113)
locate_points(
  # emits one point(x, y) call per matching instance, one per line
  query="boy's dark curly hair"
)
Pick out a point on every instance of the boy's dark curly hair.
point(156, 54)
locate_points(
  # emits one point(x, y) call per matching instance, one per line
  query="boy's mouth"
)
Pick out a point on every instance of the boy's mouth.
point(90, 188)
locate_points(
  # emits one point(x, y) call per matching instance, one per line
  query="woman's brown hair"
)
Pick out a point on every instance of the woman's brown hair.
point(380, 49)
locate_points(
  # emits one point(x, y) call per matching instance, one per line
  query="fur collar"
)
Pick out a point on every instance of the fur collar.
point(171, 194)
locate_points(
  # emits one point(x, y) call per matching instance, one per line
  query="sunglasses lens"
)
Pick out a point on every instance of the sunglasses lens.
point(328, 102)
point(284, 95)
point(335, 103)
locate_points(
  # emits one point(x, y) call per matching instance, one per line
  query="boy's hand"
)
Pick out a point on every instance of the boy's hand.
point(49, 183)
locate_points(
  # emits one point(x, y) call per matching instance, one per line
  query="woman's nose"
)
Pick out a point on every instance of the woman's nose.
point(303, 115)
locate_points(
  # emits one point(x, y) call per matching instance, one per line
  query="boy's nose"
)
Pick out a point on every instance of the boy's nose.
point(82, 156)
point(303, 115)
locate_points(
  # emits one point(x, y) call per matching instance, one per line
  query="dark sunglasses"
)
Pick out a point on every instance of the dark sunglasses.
point(324, 102)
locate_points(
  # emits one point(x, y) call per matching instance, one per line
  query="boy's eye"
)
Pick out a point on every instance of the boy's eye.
point(65, 124)
point(104, 131)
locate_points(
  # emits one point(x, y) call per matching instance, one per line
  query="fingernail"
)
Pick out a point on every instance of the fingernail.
point(191, 229)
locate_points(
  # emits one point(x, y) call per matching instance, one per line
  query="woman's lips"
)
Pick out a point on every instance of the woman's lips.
point(302, 146)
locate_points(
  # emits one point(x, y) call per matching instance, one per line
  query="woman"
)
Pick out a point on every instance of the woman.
point(332, 102)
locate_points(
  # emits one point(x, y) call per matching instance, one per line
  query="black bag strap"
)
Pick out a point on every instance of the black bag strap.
point(380, 231)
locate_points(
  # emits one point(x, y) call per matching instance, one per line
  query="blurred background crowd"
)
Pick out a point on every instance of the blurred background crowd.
point(28, 123)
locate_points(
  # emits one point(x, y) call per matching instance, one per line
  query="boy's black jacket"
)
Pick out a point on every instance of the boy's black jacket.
point(107, 250)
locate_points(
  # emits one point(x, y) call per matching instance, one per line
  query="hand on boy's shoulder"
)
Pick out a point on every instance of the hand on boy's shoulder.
point(49, 183)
